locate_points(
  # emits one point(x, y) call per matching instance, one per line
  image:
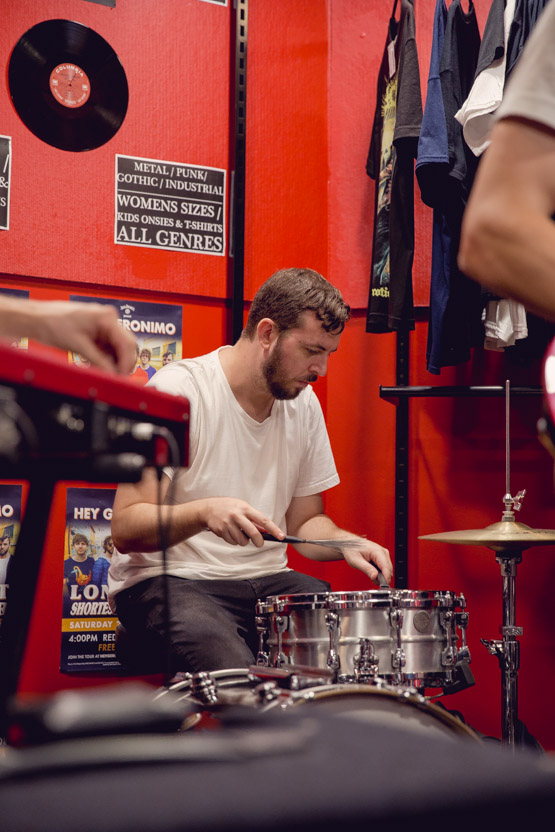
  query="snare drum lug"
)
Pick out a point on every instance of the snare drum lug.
point(396, 618)
point(449, 657)
point(398, 658)
point(280, 624)
point(463, 655)
point(203, 688)
point(332, 624)
point(366, 662)
point(461, 619)
point(267, 692)
point(446, 619)
point(262, 658)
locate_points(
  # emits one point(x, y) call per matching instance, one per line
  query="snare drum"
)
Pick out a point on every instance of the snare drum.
point(402, 636)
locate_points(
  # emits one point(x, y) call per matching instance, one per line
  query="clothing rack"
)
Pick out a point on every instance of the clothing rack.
point(400, 396)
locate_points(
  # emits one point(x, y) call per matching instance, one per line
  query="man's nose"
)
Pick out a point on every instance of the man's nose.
point(319, 365)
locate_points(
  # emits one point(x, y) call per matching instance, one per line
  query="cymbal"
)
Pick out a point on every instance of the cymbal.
point(506, 534)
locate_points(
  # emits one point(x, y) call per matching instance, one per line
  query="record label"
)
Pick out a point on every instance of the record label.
point(68, 85)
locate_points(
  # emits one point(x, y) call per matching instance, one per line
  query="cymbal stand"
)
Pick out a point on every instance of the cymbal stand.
point(507, 650)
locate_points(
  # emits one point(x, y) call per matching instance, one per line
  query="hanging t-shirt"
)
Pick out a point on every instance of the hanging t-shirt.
point(487, 90)
point(531, 94)
point(455, 302)
point(390, 163)
point(432, 143)
point(525, 18)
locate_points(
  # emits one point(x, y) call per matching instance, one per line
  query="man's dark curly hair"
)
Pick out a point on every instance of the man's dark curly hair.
point(290, 292)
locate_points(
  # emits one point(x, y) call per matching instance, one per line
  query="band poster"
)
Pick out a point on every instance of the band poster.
point(156, 326)
point(22, 343)
point(10, 525)
point(88, 624)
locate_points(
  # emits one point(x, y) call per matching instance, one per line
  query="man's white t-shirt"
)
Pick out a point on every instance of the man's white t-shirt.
point(232, 455)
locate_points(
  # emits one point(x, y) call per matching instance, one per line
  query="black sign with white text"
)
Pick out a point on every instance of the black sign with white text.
point(169, 205)
point(5, 168)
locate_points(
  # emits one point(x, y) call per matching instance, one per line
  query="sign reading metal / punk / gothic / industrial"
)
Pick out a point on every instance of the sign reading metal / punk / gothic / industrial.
point(169, 205)
point(5, 168)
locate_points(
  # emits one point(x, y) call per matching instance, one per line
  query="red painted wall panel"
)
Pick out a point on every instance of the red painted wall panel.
point(286, 190)
point(176, 58)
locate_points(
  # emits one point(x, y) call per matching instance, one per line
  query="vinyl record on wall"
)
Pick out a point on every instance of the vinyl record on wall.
point(68, 85)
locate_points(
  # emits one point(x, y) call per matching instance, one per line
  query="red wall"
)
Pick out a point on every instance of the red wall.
point(312, 68)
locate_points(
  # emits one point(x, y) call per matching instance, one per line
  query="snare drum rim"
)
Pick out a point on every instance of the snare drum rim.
point(283, 603)
point(359, 599)
point(427, 598)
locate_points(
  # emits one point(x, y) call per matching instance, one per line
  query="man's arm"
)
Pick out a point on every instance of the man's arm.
point(508, 234)
point(138, 509)
point(89, 329)
point(306, 519)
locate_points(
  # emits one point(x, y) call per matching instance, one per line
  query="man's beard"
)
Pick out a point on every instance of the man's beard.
point(275, 381)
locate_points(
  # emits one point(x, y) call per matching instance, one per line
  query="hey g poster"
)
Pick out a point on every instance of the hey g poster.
point(88, 625)
point(157, 328)
point(10, 524)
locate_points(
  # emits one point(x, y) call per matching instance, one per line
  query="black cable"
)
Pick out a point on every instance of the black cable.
point(163, 536)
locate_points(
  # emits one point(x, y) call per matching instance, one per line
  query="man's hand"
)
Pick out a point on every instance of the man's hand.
point(368, 557)
point(237, 522)
point(91, 330)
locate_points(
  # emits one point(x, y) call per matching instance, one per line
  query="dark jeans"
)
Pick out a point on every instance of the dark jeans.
point(212, 623)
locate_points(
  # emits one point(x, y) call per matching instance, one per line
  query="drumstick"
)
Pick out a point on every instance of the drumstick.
point(334, 544)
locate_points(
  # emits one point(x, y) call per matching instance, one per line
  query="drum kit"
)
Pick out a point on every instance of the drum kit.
point(373, 654)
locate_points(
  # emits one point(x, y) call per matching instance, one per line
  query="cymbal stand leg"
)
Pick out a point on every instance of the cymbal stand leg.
point(509, 657)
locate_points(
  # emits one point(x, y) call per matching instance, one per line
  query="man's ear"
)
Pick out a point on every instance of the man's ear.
point(267, 332)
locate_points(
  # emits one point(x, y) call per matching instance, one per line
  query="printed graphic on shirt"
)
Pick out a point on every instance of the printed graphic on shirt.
point(380, 270)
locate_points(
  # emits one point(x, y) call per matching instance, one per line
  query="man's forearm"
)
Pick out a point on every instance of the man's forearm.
point(514, 258)
point(319, 527)
point(18, 319)
point(138, 528)
point(508, 235)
